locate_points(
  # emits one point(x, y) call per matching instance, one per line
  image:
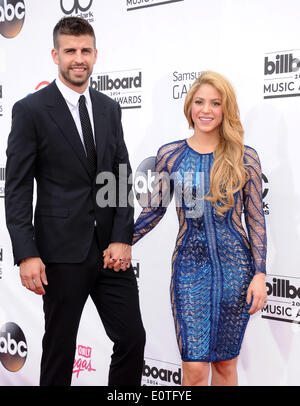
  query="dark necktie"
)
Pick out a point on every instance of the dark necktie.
point(88, 139)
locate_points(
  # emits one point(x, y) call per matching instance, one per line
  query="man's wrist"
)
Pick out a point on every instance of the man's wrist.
point(26, 259)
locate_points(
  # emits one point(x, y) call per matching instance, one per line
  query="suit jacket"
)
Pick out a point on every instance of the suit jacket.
point(44, 145)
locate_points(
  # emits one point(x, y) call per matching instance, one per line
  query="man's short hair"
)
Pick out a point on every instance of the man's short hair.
point(72, 26)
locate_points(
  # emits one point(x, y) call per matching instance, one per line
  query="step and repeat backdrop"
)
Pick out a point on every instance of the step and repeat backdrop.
point(150, 51)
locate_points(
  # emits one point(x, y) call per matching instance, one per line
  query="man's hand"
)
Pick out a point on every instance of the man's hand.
point(33, 275)
point(117, 256)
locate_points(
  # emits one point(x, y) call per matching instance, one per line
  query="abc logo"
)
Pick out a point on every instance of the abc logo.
point(143, 182)
point(12, 14)
point(13, 347)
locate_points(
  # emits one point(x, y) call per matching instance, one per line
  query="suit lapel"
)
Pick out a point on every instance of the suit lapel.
point(100, 125)
point(61, 114)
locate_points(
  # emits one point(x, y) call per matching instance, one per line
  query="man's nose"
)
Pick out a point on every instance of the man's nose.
point(78, 57)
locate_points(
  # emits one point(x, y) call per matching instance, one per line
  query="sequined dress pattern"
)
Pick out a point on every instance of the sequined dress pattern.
point(214, 259)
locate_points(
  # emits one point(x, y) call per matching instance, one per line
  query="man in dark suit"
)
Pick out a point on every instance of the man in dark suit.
point(63, 136)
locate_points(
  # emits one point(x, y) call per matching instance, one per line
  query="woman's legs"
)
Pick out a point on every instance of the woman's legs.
point(224, 373)
point(195, 373)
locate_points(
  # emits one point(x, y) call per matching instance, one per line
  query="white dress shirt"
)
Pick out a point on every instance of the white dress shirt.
point(72, 99)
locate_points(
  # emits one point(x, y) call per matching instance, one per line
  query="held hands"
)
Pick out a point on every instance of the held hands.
point(33, 275)
point(257, 289)
point(117, 256)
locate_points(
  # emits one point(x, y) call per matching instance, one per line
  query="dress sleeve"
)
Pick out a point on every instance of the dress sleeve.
point(253, 210)
point(158, 201)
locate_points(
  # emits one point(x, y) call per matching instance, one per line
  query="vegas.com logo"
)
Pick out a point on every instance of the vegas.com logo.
point(12, 15)
point(13, 347)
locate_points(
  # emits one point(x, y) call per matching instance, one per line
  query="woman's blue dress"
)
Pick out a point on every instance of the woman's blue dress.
point(214, 259)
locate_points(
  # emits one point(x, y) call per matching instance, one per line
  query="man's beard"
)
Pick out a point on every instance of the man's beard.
point(76, 81)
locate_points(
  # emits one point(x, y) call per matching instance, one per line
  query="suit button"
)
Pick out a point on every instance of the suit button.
point(92, 212)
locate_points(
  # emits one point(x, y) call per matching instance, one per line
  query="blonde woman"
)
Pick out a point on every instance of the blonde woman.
point(218, 271)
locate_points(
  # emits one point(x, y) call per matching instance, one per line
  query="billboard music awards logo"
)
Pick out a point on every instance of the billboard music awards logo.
point(161, 373)
point(83, 360)
point(282, 74)
point(125, 87)
point(182, 81)
point(12, 15)
point(283, 299)
point(138, 4)
point(78, 8)
point(13, 347)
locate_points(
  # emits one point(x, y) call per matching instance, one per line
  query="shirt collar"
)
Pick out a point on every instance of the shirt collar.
point(70, 95)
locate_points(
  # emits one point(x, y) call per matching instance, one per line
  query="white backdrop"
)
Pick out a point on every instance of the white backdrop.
point(164, 45)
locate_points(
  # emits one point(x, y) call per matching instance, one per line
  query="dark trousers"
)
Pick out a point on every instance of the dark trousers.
point(115, 296)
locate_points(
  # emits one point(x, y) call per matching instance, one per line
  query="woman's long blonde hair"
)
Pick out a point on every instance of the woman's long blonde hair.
point(228, 174)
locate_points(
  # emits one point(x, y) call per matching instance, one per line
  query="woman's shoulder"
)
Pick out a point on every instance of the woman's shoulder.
point(251, 155)
point(171, 147)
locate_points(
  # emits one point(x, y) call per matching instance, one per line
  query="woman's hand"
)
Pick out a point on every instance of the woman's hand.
point(117, 256)
point(257, 289)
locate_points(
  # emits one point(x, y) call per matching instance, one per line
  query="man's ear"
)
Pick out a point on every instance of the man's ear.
point(54, 54)
point(96, 56)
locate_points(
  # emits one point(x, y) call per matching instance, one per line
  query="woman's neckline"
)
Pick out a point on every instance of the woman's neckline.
point(199, 153)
